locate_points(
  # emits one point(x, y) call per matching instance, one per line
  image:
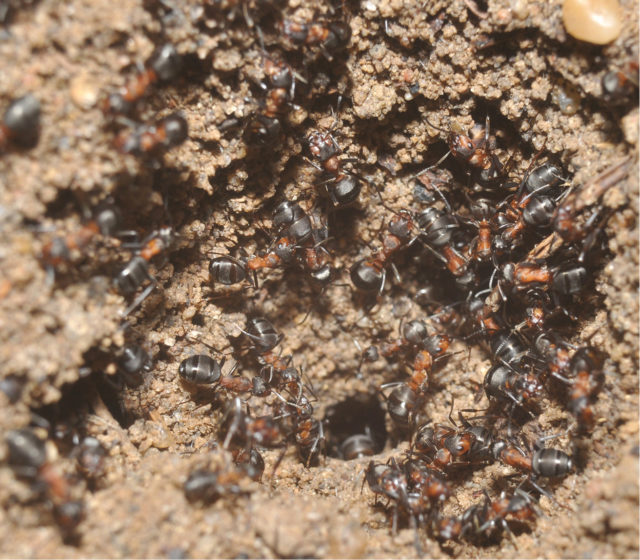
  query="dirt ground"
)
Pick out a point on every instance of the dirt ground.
point(406, 62)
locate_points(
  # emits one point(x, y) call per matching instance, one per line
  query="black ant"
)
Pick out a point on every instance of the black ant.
point(163, 65)
point(21, 122)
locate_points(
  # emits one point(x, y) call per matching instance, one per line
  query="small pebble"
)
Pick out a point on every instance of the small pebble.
point(84, 91)
point(594, 21)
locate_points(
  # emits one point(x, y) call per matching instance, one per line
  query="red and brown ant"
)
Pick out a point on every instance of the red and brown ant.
point(564, 280)
point(475, 149)
point(300, 245)
point(163, 66)
point(152, 139)
point(484, 522)
point(369, 275)
point(28, 459)
point(331, 36)
point(618, 86)
point(202, 370)
point(60, 250)
point(136, 272)
point(208, 486)
point(266, 126)
point(343, 186)
point(239, 428)
point(582, 374)
point(411, 487)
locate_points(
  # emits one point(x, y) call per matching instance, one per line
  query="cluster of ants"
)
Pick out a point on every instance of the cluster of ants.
point(516, 252)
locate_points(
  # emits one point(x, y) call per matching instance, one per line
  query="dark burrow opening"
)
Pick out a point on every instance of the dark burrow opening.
point(355, 427)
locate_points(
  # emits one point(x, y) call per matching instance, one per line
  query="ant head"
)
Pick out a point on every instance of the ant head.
point(482, 209)
point(322, 145)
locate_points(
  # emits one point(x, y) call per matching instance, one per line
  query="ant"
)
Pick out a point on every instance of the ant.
point(28, 459)
point(475, 149)
point(565, 221)
point(292, 247)
point(59, 250)
point(438, 229)
point(133, 362)
point(391, 482)
point(620, 85)
point(403, 404)
point(330, 36)
point(298, 226)
point(541, 462)
point(416, 335)
point(564, 280)
point(507, 348)
point(480, 249)
point(369, 275)
point(163, 65)
point(209, 486)
point(357, 446)
point(410, 487)
point(587, 380)
point(250, 461)
point(449, 445)
point(307, 431)
point(21, 122)
point(430, 348)
point(276, 371)
point(343, 187)
point(484, 522)
point(145, 139)
point(507, 384)
point(90, 455)
point(582, 374)
point(239, 427)
point(134, 274)
point(534, 206)
point(315, 260)
point(202, 370)
point(280, 90)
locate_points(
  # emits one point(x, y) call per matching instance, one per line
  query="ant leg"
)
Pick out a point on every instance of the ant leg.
point(277, 464)
point(423, 171)
point(144, 295)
